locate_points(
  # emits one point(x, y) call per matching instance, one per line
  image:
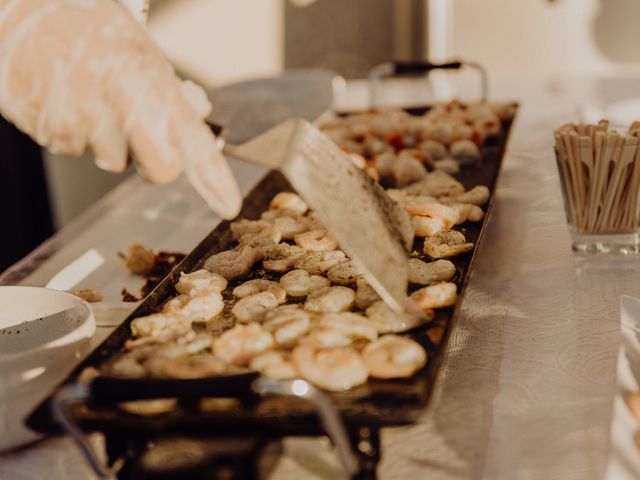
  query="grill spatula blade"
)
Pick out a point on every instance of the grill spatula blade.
point(356, 211)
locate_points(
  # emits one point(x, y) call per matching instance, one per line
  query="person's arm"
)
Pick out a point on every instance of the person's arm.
point(82, 74)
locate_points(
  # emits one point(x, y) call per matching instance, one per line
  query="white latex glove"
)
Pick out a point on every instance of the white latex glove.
point(78, 74)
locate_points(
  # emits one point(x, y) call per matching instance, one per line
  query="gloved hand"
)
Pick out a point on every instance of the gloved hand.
point(78, 74)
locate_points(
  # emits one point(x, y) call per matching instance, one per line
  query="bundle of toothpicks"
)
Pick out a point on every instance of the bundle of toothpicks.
point(600, 174)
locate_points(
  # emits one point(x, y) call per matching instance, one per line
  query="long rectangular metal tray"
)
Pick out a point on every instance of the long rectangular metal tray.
point(375, 404)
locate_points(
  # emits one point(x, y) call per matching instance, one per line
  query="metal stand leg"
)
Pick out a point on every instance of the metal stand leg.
point(122, 451)
point(366, 442)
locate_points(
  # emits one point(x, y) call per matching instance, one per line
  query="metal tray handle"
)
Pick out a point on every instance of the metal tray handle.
point(395, 69)
point(105, 390)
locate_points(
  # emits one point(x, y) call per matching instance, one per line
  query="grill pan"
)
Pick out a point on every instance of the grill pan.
point(363, 410)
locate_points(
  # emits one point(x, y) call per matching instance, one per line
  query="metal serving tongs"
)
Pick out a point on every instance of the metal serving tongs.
point(356, 211)
point(108, 390)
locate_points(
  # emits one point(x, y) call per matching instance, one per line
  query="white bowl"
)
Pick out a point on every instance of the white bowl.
point(34, 356)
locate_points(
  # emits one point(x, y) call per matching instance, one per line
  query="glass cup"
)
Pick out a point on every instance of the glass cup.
point(600, 178)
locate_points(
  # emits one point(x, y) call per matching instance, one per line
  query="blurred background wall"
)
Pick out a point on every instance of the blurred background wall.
point(216, 42)
point(537, 36)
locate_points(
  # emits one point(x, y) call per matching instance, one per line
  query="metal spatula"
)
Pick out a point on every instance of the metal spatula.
point(357, 212)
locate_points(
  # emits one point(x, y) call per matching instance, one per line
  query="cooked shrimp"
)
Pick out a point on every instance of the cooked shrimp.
point(435, 150)
point(436, 296)
point(407, 170)
point(273, 215)
point(475, 214)
point(354, 325)
point(446, 244)
point(386, 320)
point(129, 365)
point(160, 325)
point(239, 228)
point(291, 226)
point(433, 210)
point(425, 128)
point(125, 367)
point(476, 196)
point(417, 201)
point(287, 324)
point(365, 294)
point(479, 110)
point(273, 364)
point(253, 308)
point(200, 279)
point(299, 283)
point(462, 210)
point(374, 146)
point(344, 273)
point(289, 201)
point(317, 263)
point(176, 303)
point(171, 349)
point(135, 343)
point(260, 361)
point(260, 285)
point(465, 151)
point(243, 342)
point(467, 212)
point(193, 366)
point(268, 236)
point(200, 342)
point(416, 153)
point(330, 300)
point(436, 184)
point(232, 263)
point(461, 131)
point(335, 369)
point(443, 132)
point(316, 241)
point(384, 163)
point(205, 303)
point(282, 257)
point(393, 356)
point(424, 273)
point(388, 122)
point(427, 226)
point(447, 165)
point(327, 338)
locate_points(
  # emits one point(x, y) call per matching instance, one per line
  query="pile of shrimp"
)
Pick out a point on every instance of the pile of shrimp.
point(287, 302)
point(398, 148)
point(310, 314)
